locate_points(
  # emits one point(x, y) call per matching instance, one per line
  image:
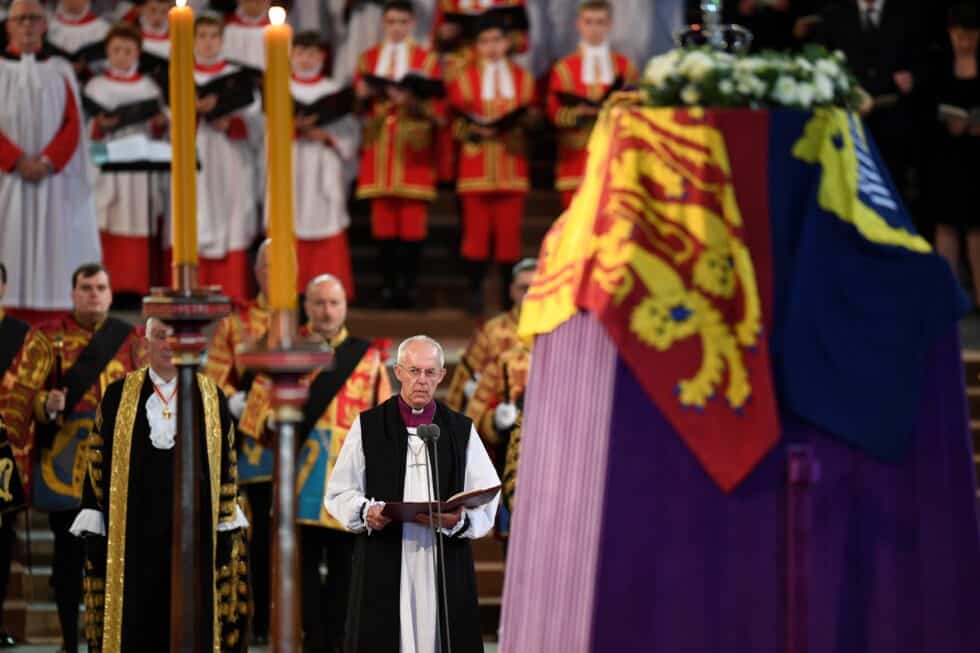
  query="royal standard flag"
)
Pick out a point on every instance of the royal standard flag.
point(704, 240)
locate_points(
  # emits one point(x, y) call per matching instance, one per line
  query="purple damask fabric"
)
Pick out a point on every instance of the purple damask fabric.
point(621, 542)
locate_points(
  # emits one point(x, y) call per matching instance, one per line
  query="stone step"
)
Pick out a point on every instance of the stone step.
point(973, 401)
point(42, 546)
point(490, 578)
point(448, 325)
point(539, 203)
point(488, 549)
point(33, 586)
point(971, 364)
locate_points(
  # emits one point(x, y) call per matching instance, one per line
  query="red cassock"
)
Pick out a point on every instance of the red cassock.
point(398, 156)
point(493, 172)
point(457, 60)
point(573, 136)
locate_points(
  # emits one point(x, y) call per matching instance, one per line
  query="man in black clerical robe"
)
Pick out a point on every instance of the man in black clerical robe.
point(128, 507)
point(394, 606)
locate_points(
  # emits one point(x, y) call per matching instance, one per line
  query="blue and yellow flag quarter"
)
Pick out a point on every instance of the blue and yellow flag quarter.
point(860, 297)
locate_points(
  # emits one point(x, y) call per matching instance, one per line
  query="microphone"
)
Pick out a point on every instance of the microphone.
point(428, 432)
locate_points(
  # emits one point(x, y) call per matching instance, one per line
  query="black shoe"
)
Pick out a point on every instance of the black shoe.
point(7, 640)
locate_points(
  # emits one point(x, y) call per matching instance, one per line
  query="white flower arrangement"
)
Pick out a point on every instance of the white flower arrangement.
point(710, 78)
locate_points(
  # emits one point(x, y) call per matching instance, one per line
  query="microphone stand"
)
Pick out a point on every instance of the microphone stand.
point(429, 435)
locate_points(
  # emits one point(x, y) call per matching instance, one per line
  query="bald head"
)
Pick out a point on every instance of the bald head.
point(326, 305)
point(26, 25)
point(420, 367)
point(30, 4)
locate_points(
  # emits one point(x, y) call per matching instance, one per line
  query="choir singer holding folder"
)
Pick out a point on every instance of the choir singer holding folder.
point(394, 603)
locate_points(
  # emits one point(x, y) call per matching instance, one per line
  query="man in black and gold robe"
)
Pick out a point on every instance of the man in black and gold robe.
point(128, 507)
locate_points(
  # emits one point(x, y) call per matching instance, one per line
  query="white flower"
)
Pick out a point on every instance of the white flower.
point(696, 65)
point(804, 94)
point(690, 95)
point(804, 64)
point(726, 86)
point(662, 67)
point(823, 87)
point(828, 67)
point(785, 91)
point(749, 85)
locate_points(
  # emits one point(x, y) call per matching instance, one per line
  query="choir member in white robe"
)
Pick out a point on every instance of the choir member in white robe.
point(322, 156)
point(155, 27)
point(394, 605)
point(230, 151)
point(47, 222)
point(243, 42)
point(357, 27)
point(74, 27)
point(128, 204)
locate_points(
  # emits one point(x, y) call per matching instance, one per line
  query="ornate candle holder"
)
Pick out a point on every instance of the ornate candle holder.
point(286, 360)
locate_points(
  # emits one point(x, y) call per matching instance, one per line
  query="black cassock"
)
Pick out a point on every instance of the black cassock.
point(133, 560)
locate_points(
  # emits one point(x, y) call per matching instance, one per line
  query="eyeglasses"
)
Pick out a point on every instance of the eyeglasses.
point(26, 19)
point(414, 372)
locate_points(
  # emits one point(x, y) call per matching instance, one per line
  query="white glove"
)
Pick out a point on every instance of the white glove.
point(470, 386)
point(504, 416)
point(236, 404)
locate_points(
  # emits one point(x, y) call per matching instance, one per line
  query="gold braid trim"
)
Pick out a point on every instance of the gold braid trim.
point(122, 440)
point(212, 428)
point(94, 592)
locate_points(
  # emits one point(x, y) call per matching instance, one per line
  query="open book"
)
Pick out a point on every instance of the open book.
point(235, 91)
point(129, 114)
point(950, 111)
point(328, 108)
point(418, 85)
point(507, 122)
point(572, 99)
point(129, 149)
point(406, 510)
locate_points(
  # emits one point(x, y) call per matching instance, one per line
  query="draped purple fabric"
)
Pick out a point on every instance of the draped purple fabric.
point(670, 563)
point(552, 566)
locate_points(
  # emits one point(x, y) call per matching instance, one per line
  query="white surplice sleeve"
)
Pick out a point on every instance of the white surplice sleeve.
point(345, 498)
point(480, 474)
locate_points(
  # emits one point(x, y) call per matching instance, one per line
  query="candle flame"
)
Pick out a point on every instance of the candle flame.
point(181, 3)
point(277, 15)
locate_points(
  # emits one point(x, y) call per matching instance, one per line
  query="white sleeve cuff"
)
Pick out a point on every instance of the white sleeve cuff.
point(88, 522)
point(461, 525)
point(238, 522)
point(236, 404)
